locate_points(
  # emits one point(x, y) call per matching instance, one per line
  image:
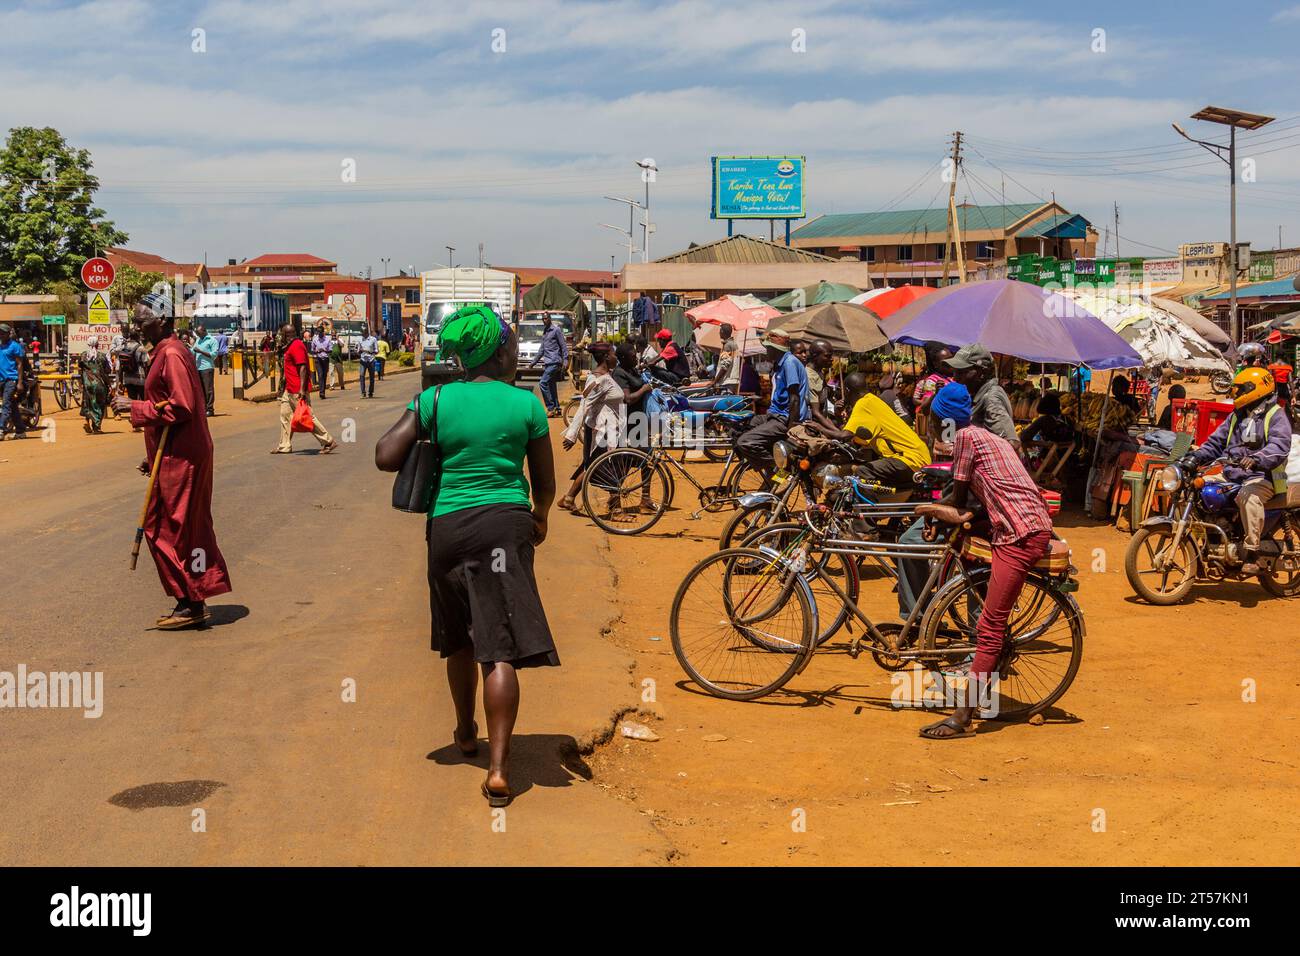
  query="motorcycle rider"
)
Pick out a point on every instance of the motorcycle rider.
point(1257, 435)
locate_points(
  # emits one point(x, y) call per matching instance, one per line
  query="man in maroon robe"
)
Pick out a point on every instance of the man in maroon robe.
point(178, 525)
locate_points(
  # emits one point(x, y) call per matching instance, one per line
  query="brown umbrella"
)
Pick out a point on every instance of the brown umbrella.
point(848, 328)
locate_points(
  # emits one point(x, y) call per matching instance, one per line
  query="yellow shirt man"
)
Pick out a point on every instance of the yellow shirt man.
point(891, 437)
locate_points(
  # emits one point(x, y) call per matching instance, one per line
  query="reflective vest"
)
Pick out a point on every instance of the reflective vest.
point(1278, 473)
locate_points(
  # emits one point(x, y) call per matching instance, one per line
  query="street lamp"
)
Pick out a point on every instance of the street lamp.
point(385, 260)
point(632, 207)
point(450, 250)
point(648, 173)
point(1234, 120)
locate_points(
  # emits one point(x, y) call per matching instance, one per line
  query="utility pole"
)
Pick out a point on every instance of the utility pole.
point(480, 255)
point(948, 244)
point(1116, 205)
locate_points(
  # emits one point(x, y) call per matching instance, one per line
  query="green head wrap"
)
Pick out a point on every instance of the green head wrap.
point(472, 334)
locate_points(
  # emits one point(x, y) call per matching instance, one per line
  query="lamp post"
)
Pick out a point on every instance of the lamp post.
point(648, 173)
point(450, 250)
point(1234, 120)
point(385, 260)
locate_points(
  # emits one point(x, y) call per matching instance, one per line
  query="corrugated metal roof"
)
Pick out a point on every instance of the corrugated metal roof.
point(1056, 226)
point(907, 221)
point(741, 249)
point(1274, 288)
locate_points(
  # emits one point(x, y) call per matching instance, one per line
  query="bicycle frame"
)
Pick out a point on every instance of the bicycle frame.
point(943, 556)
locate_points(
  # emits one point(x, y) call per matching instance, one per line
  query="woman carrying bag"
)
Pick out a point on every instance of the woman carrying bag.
point(481, 530)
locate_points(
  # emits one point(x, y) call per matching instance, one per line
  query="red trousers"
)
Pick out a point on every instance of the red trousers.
point(1012, 562)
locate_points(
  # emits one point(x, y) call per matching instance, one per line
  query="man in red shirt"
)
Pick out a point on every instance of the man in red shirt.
point(987, 466)
point(295, 387)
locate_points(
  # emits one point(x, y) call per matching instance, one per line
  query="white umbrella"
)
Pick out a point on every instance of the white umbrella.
point(868, 295)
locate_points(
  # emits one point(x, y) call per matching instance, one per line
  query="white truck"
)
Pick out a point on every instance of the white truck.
point(443, 291)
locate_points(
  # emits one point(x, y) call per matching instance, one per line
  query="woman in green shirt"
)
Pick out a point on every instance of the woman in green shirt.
point(482, 530)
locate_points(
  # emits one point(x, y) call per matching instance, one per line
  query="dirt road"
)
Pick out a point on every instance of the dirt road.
point(247, 720)
point(1154, 740)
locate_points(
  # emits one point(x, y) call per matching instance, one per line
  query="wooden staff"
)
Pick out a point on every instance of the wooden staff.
point(153, 481)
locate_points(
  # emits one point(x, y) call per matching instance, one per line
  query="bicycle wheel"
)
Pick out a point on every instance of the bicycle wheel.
point(1040, 657)
point(824, 568)
point(74, 389)
point(62, 395)
point(743, 479)
point(731, 609)
point(625, 491)
point(746, 521)
point(571, 408)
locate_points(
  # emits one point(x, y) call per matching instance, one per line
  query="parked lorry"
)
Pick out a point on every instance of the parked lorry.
point(442, 292)
point(246, 307)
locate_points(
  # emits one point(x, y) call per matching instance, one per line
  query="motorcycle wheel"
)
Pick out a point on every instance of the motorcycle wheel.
point(1280, 583)
point(1161, 586)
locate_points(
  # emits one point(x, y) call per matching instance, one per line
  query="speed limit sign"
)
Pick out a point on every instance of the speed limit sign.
point(97, 274)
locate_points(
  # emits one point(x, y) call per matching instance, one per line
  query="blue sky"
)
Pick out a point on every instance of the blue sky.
point(238, 150)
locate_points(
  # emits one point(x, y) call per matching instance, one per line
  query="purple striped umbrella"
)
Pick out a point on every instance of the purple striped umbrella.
point(1012, 318)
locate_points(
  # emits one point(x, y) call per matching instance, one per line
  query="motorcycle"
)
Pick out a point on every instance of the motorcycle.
point(1199, 538)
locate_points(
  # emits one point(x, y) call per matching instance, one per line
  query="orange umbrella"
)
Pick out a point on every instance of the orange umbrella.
point(887, 303)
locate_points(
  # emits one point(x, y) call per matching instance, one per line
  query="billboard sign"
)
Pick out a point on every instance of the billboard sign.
point(758, 187)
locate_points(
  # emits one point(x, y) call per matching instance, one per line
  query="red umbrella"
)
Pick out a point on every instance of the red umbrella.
point(887, 303)
point(738, 311)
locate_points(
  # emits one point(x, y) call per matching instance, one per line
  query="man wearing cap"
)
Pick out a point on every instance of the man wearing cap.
point(670, 356)
point(11, 382)
point(990, 406)
point(986, 466)
point(789, 404)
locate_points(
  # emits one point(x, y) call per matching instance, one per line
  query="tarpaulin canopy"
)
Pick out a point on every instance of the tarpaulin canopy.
point(1157, 335)
point(1013, 318)
point(847, 328)
point(551, 293)
point(814, 295)
point(1203, 327)
point(892, 300)
point(738, 311)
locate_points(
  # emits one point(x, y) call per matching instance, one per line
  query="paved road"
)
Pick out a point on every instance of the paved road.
point(246, 719)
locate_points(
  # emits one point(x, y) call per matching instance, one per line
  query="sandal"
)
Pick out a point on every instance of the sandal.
point(960, 730)
point(567, 504)
point(495, 798)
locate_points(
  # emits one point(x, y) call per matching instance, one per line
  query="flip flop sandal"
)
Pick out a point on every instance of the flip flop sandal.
point(495, 799)
point(962, 730)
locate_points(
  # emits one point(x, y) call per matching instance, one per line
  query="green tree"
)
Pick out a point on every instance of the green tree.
point(130, 285)
point(48, 221)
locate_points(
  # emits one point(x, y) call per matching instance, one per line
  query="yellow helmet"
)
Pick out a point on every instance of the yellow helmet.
point(1250, 385)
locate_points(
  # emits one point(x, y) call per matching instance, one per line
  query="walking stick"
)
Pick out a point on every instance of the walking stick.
point(148, 495)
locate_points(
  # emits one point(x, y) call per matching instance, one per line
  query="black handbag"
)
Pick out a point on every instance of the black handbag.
point(416, 485)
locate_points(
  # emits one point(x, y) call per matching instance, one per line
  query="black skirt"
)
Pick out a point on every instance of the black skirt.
point(482, 591)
